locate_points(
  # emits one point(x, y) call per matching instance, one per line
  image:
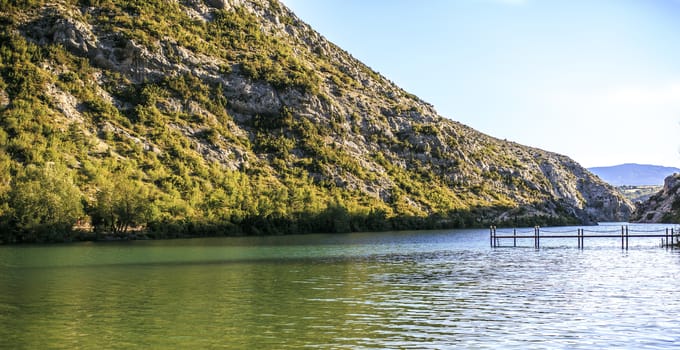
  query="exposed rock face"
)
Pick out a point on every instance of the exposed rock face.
point(388, 133)
point(663, 207)
point(57, 27)
point(4, 99)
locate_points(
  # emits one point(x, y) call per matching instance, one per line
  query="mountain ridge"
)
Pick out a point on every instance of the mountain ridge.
point(237, 116)
point(633, 174)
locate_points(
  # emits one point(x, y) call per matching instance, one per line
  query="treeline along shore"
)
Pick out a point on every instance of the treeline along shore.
point(45, 205)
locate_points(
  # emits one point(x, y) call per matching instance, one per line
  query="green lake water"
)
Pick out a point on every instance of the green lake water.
point(429, 289)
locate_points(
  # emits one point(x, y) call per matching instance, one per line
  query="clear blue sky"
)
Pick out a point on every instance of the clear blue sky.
point(597, 80)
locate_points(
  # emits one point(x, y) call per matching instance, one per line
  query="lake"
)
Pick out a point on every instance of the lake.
point(393, 290)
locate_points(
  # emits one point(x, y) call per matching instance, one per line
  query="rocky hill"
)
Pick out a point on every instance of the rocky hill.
point(663, 207)
point(637, 194)
point(204, 116)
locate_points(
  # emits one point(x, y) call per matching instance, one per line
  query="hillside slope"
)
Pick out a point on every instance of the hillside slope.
point(197, 117)
point(637, 194)
point(634, 174)
point(662, 207)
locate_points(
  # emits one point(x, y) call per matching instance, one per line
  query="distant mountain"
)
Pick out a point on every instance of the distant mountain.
point(634, 174)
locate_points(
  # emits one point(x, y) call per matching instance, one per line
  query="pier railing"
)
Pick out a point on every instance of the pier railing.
point(669, 236)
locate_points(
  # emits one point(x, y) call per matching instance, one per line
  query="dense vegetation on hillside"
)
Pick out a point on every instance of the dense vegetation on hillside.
point(166, 118)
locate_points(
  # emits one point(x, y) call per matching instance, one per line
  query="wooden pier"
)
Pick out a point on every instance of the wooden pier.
point(668, 236)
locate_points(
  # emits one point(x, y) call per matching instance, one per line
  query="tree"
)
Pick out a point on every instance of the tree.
point(44, 203)
point(122, 204)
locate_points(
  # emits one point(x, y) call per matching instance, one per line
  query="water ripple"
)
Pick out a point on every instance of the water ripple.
point(429, 291)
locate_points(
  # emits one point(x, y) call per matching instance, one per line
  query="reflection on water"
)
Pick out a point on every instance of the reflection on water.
point(436, 289)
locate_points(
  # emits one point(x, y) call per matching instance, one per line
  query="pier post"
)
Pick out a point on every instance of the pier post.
point(626, 237)
point(666, 237)
point(622, 237)
point(514, 237)
point(537, 239)
point(491, 241)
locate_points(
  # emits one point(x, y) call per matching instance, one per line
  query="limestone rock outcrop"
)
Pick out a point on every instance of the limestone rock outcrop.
point(663, 207)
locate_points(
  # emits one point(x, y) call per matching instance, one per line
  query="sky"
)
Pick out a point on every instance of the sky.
point(596, 80)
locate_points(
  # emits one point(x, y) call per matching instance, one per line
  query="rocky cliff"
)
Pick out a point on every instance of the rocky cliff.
point(227, 109)
point(663, 207)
